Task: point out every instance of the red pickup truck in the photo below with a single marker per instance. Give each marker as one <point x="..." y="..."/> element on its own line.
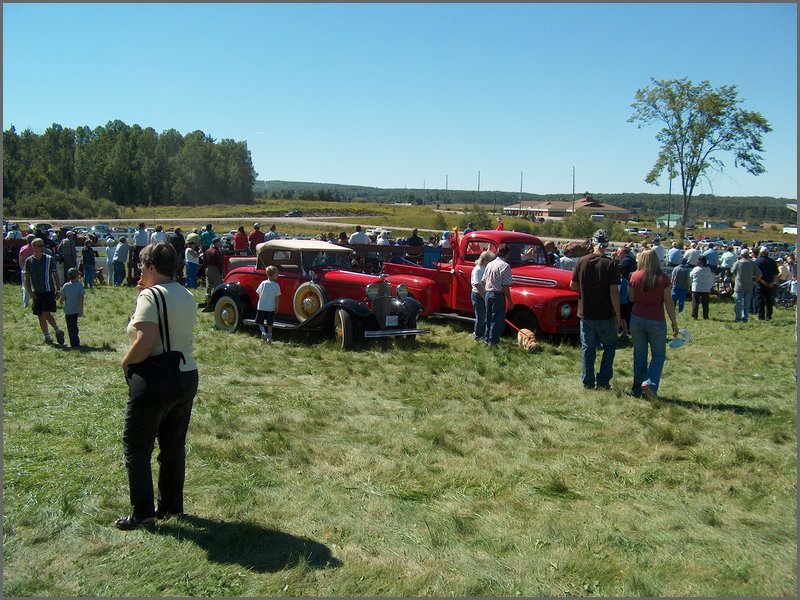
<point x="542" y="299"/>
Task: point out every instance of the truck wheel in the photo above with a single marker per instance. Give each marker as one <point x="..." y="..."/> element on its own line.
<point x="343" y="329"/>
<point x="308" y="299"/>
<point x="228" y="314"/>
<point x="526" y="320"/>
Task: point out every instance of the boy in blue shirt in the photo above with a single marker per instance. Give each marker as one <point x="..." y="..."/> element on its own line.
<point x="268" y="292"/>
<point x="72" y="299"/>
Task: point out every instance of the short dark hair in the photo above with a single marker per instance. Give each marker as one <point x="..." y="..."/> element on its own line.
<point x="503" y="250"/>
<point x="703" y="260"/>
<point x="162" y="256"/>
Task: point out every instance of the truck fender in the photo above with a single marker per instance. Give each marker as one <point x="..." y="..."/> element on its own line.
<point x="424" y="290"/>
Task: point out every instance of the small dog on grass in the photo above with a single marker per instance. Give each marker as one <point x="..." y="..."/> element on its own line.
<point x="527" y="340"/>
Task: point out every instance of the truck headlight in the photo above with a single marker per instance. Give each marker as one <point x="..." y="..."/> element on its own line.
<point x="402" y="291"/>
<point x="373" y="291"/>
<point x="566" y="311"/>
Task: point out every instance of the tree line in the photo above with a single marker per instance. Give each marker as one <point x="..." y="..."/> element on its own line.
<point x="125" y="165"/>
<point x="754" y="209"/>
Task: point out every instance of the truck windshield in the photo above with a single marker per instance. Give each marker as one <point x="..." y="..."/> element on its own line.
<point x="527" y="254"/>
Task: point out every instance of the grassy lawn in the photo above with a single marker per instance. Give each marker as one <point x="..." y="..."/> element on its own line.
<point x="442" y="469"/>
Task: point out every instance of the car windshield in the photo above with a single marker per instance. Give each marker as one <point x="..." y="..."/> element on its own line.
<point x="527" y="254"/>
<point x="318" y="260"/>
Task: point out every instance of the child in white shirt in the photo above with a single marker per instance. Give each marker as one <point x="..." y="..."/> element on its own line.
<point x="268" y="292"/>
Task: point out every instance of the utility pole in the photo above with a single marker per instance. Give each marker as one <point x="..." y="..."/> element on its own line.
<point x="479" y="182"/>
<point x="669" y="202"/>
<point x="573" y="190"/>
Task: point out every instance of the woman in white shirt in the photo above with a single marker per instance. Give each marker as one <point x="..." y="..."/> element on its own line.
<point x="702" y="279"/>
<point x="478" y="302"/>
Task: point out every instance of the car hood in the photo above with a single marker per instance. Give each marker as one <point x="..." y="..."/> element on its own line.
<point x="542" y="276"/>
<point x="345" y="277"/>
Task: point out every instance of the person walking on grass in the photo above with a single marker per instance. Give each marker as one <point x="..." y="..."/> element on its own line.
<point x="24" y="253"/>
<point x="745" y="274"/>
<point x="596" y="278"/>
<point x="680" y="283"/>
<point x="43" y="285"/>
<point x="215" y="265"/>
<point x="110" y="243"/>
<point x="88" y="258"/>
<point x="767" y="284"/>
<point x="703" y="279"/>
<point x="478" y="292"/>
<point x="72" y="300"/>
<point x="118" y="262"/>
<point x="192" y="260"/>
<point x="650" y="291"/>
<point x="496" y="282"/>
<point x="158" y="409"/>
<point x="268" y="292"/>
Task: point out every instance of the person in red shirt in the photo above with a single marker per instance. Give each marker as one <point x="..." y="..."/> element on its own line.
<point x="214" y="266"/>
<point x="650" y="292"/>
<point x="500" y="226"/>
<point x="240" y="241"/>
<point x="256" y="237"/>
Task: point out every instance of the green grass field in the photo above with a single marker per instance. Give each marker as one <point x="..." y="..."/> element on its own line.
<point x="442" y="469"/>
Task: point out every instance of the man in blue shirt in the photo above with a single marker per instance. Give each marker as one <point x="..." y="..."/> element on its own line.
<point x="675" y="255"/>
<point x="712" y="257"/>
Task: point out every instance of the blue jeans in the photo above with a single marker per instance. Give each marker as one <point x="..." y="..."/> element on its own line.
<point x="647" y="332"/>
<point x="596" y="332"/>
<point x="88" y="275"/>
<point x="480" y="315"/>
<point x="119" y="273"/>
<point x="495" y="316"/>
<point x="679" y="298"/>
<point x="741" y="305"/>
<point x="191" y="274"/>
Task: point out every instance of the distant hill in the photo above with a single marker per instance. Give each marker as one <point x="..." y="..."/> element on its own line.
<point x="751" y="208"/>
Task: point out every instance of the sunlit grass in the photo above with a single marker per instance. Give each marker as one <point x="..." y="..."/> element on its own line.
<point x="442" y="469"/>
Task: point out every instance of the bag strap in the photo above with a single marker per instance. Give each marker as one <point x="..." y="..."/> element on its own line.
<point x="161" y="306"/>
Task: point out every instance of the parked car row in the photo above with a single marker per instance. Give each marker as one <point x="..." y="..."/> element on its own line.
<point x="323" y="290"/>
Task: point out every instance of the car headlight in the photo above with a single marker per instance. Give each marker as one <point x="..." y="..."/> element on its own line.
<point x="373" y="291"/>
<point x="566" y="311"/>
<point x="402" y="291"/>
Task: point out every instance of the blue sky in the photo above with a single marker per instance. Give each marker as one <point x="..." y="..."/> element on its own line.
<point x="409" y="95"/>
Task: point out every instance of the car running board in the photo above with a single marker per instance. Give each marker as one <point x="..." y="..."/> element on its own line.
<point x="443" y="315"/>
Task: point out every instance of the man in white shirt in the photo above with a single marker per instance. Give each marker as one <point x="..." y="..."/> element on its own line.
<point x="691" y="255"/>
<point x="659" y="250"/>
<point x="359" y="237"/>
<point x="496" y="282"/>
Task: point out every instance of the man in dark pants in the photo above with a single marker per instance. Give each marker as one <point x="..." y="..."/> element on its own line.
<point x="596" y="277"/>
<point x="767" y="284"/>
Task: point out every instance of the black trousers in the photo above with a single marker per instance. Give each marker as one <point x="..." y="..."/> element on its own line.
<point x="72" y="330"/>
<point x="765" y="300"/>
<point x="157" y="411"/>
<point x="699" y="298"/>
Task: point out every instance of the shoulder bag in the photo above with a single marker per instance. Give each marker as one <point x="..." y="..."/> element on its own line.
<point x="165" y="367"/>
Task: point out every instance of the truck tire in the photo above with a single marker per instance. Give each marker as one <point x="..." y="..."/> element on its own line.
<point x="525" y="319"/>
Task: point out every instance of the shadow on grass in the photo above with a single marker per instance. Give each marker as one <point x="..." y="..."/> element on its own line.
<point x="250" y="545"/>
<point x="734" y="408"/>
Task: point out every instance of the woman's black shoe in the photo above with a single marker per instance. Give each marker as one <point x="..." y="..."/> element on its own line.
<point x="130" y="522"/>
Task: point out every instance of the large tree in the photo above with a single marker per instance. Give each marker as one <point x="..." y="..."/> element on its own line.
<point x="700" y="124"/>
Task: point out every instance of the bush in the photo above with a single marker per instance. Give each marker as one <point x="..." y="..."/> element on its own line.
<point x="52" y="203"/>
<point x="478" y="216"/>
